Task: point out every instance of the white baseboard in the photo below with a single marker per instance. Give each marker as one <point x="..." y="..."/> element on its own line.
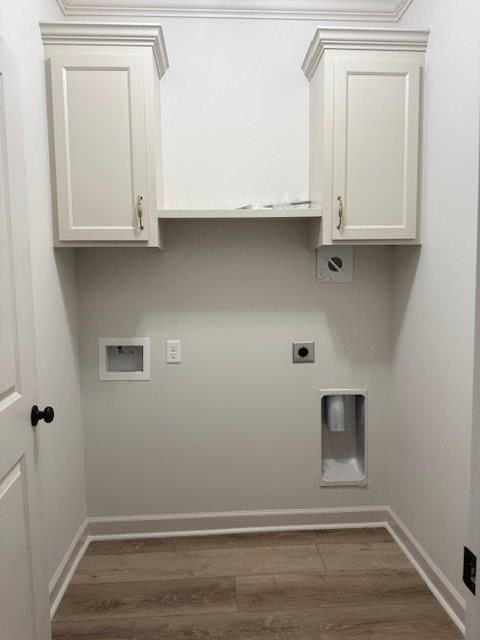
<point x="231" y="521"/>
<point x="187" y="524"/>
<point x="441" y="587"/>
<point x="66" y="568"/>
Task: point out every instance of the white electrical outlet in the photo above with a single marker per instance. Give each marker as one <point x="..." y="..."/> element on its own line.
<point x="174" y="352"/>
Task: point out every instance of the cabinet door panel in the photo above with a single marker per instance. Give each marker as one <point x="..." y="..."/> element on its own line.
<point x="375" y="150"/>
<point x="99" y="137"/>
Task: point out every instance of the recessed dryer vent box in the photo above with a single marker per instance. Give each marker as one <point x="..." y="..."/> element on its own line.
<point x="124" y="358"/>
<point x="343" y="437"/>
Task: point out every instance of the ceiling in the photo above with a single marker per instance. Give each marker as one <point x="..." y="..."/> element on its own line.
<point x="376" y="10"/>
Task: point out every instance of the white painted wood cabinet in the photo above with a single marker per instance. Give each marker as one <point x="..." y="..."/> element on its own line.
<point x="365" y="133"/>
<point x="104" y="133"/>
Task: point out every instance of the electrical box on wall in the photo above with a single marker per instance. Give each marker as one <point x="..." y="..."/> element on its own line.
<point x="334" y="264"/>
<point x="124" y="358"/>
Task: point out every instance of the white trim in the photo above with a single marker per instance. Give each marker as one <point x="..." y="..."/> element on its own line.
<point x="440" y="586"/>
<point x="220" y="532"/>
<point x="180" y="525"/>
<point x="358" y="38"/>
<point x="104" y="33"/>
<point x="227" y="521"/>
<point x="376" y="10"/>
<point x="234" y="514"/>
<point x="65" y="570"/>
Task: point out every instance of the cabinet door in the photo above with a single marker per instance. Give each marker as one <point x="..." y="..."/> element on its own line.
<point x="375" y="154"/>
<point x="98" y="107"/>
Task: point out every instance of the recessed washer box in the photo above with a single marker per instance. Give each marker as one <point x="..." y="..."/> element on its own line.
<point x="124" y="358"/>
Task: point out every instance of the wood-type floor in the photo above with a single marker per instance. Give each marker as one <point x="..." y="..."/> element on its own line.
<point x="353" y="584"/>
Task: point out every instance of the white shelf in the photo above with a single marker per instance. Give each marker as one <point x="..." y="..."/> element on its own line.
<point x="313" y="218"/>
<point x="239" y="214"/>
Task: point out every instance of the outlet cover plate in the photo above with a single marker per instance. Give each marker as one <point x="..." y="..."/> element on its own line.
<point x="303" y="351"/>
<point x="334" y="264"/>
<point x="173" y="351"/>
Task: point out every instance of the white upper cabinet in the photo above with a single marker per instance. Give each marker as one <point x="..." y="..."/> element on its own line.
<point x="100" y="156"/>
<point x="104" y="116"/>
<point x="375" y="137"/>
<point x="365" y="129"/>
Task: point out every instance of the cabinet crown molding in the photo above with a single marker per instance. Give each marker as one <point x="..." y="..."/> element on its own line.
<point x="377" y="10"/>
<point x="358" y="38"/>
<point x="96" y="33"/>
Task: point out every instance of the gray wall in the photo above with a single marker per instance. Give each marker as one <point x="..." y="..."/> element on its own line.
<point x="236" y="425"/>
<point x="435" y="297"/>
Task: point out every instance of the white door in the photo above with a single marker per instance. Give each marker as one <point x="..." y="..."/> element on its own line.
<point x="24" y="613"/>
<point x="375" y="156"/>
<point x="98" y="106"/>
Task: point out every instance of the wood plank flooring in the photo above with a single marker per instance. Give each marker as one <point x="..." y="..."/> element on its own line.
<point x="300" y="585"/>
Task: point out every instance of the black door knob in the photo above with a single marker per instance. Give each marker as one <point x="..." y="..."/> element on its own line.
<point x="47" y="414"/>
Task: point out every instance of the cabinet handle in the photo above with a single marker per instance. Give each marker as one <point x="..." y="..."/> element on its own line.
<point x="139" y="210"/>
<point x="340" y="212"/>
